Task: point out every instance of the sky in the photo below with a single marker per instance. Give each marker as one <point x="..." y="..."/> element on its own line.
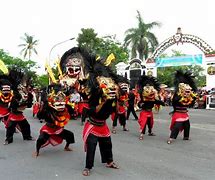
<point x="54" y="21"/>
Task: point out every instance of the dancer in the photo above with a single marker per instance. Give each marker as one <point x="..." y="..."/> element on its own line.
<point x="148" y="89"/>
<point x="6" y="93"/>
<point x="131" y="104"/>
<point x="162" y="97"/>
<point x="121" y="106"/>
<point x="56" y="116"/>
<point x="102" y="86"/>
<point x="18" y="104"/>
<point x="183" y="98"/>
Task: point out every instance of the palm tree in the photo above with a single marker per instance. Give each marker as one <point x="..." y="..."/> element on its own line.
<point x="141" y="39"/>
<point x="29" y="45"/>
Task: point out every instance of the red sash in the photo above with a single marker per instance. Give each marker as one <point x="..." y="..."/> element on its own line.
<point x="178" y="117"/>
<point x="4" y="111"/>
<point x="143" y="119"/>
<point x="53" y="132"/>
<point x="99" y="131"/>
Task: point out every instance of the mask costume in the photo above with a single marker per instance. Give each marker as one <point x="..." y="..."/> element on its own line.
<point x="6" y="93"/>
<point x="71" y="66"/>
<point x="162" y="97"/>
<point x="18" y="104"/>
<point x="121" y="105"/>
<point x="72" y="72"/>
<point x="183" y="98"/>
<point x="148" y="90"/>
<point x="102" y="84"/>
<point x="56" y="116"/>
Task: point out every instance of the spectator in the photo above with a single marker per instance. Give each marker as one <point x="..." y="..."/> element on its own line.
<point x="131" y="101"/>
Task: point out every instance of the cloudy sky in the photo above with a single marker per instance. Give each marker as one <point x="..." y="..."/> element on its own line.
<point x="53" y="21"/>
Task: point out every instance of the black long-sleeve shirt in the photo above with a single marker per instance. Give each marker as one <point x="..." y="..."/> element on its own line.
<point x="148" y="105"/>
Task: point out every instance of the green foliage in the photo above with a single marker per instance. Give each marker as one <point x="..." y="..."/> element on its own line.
<point x="42" y="81"/>
<point x="88" y="39"/>
<point x="26" y="66"/>
<point x="102" y="46"/>
<point x="140" y="39"/>
<point x="29" y="46"/>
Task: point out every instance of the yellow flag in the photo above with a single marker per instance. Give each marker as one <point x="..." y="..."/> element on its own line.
<point x="109" y="59"/>
<point x="57" y="62"/>
<point x="3" y="67"/>
<point x="51" y="74"/>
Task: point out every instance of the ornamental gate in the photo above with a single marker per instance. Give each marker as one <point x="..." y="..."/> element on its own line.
<point x="208" y="51"/>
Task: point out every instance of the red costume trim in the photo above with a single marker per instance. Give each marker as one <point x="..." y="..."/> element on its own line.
<point x="14" y="117"/>
<point x="143" y="119"/>
<point x="99" y="131"/>
<point x="4" y="111"/>
<point x="53" y="132"/>
<point x="81" y="106"/>
<point x="36" y="108"/>
<point x="121" y="110"/>
<point x="178" y="117"/>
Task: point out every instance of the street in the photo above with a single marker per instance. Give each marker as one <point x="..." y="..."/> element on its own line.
<point x="150" y="159"/>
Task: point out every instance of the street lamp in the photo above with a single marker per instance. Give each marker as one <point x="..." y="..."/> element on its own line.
<point x="57" y="45"/>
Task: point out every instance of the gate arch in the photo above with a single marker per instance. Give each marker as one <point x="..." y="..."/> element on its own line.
<point x="182" y="38"/>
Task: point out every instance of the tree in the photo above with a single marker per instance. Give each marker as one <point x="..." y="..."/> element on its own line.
<point x="102" y="46"/>
<point x="29" y="46"/>
<point x="165" y="74"/>
<point x="141" y="39"/>
<point x="88" y="39"/>
<point x="27" y="66"/>
<point x="42" y="81"/>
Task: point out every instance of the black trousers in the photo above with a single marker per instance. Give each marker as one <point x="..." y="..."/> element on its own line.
<point x="105" y="146"/>
<point x="122" y="120"/>
<point x="148" y="123"/>
<point x="180" y="125"/>
<point x="129" y="110"/>
<point x="24" y="127"/>
<point x="65" y="134"/>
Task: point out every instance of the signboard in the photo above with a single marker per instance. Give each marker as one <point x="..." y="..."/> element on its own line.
<point x="179" y="61"/>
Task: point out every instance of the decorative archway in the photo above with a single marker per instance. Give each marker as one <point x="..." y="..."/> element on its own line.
<point x="182" y="38"/>
<point x="185" y="38"/>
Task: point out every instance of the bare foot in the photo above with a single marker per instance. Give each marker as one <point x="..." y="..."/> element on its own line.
<point x="169" y="141"/>
<point x="68" y="149"/>
<point x="112" y="165"/>
<point x="114" y="131"/>
<point x="86" y="172"/>
<point x="6" y="143"/>
<point x="141" y="136"/>
<point x="35" y="154"/>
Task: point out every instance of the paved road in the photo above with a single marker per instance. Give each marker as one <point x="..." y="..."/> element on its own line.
<point x="151" y="159"/>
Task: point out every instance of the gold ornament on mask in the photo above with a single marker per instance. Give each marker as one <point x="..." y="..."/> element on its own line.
<point x="108" y="87"/>
<point x="50" y="72"/>
<point x="186" y="93"/>
<point x="57" y="62"/>
<point x="149" y="93"/>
